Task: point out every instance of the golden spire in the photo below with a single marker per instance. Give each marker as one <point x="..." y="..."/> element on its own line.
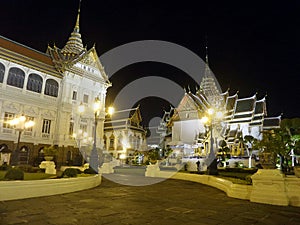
<point x="207" y="69"/>
<point x="74" y="45"/>
<point x="77" y="21"/>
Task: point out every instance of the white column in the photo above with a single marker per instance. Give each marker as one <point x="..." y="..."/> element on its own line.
<point x="5" y="75"/>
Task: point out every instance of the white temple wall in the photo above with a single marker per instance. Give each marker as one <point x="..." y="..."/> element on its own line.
<point x="186" y="131"/>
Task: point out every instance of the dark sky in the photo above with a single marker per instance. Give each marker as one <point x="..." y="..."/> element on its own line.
<point x="253" y="45"/>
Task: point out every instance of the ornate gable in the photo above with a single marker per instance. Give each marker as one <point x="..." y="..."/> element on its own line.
<point x="91" y="66"/>
<point x="136" y="116"/>
<point x="186" y="104"/>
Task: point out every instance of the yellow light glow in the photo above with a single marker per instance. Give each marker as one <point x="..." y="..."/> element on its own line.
<point x="14" y="122"/>
<point x="22" y="118"/>
<point x="204" y="119"/>
<point x="111" y="110"/>
<point x="122" y="156"/>
<point x="96" y="106"/>
<point x="29" y="124"/>
<point x="210" y="111"/>
<point x="81" y="108"/>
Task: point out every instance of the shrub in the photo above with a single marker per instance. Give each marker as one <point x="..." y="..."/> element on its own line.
<point x="89" y="171"/>
<point x="25" y="168"/>
<point x="70" y="172"/>
<point x="5" y="167"/>
<point x="14" y="174"/>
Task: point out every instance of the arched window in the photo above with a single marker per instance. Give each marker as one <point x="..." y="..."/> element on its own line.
<point x="2" y="70"/>
<point x="51" y="88"/>
<point x="34" y="83"/>
<point x="16" y="77"/>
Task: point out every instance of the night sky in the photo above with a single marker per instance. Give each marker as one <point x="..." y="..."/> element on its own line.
<point x="253" y="46"/>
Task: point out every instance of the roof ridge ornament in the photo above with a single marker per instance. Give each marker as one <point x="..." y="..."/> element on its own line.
<point x="74" y="45"/>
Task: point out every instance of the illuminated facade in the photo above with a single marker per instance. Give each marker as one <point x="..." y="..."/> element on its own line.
<point x="47" y="88"/>
<point x="240" y="117"/>
<point x="123" y="133"/>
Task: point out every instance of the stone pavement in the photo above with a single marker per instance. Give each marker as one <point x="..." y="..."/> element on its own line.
<point x="171" y="202"/>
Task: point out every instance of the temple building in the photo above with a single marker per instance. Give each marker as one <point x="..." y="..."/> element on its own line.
<point x="233" y="118"/>
<point x="123" y="134"/>
<point x="47" y="89"/>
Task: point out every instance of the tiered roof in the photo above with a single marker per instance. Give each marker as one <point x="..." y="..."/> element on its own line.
<point x="73" y="52"/>
<point x="24" y="55"/>
<point x="123" y="119"/>
<point x="208" y="85"/>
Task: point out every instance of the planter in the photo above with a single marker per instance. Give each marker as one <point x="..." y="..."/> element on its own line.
<point x="48" y="158"/>
<point x="268" y="166"/>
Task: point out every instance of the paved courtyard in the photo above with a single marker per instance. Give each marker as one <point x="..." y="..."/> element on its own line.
<point x="168" y="202"/>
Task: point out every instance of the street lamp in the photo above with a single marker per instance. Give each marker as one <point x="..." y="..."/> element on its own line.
<point x="95" y="159"/>
<point x="20" y="125"/>
<point x="210" y="120"/>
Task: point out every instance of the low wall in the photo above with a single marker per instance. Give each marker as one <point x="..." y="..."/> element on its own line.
<point x="269" y="186"/>
<point x="239" y="191"/>
<point x="11" y="190"/>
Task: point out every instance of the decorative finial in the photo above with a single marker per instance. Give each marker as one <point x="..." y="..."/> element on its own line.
<point x="78" y="16"/>
<point x="206" y="49"/>
<point x="74" y="45"/>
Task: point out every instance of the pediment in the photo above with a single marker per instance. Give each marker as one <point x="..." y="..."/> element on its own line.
<point x="90" y="59"/>
<point x="187" y="104"/>
<point x="90" y="64"/>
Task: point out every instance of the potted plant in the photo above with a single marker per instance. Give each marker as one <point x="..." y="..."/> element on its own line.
<point x="49" y="152"/>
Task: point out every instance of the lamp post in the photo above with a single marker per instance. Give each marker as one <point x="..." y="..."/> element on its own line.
<point x="210" y="119"/>
<point x="20" y="125"/>
<point x="82" y="140"/>
<point x="96" y="160"/>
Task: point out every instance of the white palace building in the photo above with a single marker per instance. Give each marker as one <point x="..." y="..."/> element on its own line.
<point x="47" y="88"/>
<point x="183" y="127"/>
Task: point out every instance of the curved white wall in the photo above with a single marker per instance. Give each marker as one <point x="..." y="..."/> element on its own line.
<point x="11" y="190"/>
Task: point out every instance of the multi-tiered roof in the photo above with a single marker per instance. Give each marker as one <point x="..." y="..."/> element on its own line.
<point x="73" y="52"/>
<point x="237" y="111"/>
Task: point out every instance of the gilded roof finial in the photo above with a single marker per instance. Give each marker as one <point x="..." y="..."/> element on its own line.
<point x="207" y="69"/>
<point x="74" y="44"/>
<point x="76" y="29"/>
<point x="206" y="50"/>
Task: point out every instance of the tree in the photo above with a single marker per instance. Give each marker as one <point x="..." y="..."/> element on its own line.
<point x="292" y="129"/>
<point x="282" y="142"/>
<point x="153" y="155"/>
<point x="223" y="150"/>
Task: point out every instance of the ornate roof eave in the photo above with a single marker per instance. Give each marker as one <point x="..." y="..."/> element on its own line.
<point x="201" y="106"/>
<point x="136" y="113"/>
<point x="245" y="99"/>
<point x="63" y="61"/>
<point x="101" y="67"/>
<point x="263" y="100"/>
